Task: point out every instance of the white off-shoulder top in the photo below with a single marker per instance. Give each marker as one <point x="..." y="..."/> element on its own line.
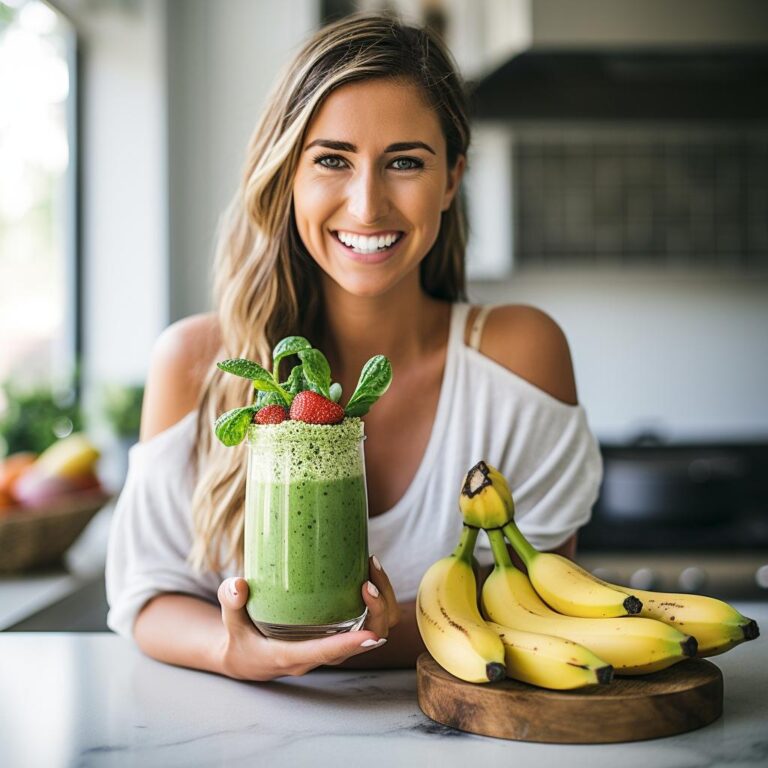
<point x="543" y="446"/>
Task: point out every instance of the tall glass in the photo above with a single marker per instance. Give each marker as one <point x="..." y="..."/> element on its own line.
<point x="306" y="528"/>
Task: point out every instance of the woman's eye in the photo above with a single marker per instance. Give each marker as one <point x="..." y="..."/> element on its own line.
<point x="330" y="161"/>
<point x="413" y="163"/>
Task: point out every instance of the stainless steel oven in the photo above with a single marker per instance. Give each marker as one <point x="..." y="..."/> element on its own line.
<point x="683" y="517"/>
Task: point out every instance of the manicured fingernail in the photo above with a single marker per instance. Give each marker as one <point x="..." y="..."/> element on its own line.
<point x="372" y="591"/>
<point x="371" y="643"/>
<point x="233" y="588"/>
<point x="376" y="563"/>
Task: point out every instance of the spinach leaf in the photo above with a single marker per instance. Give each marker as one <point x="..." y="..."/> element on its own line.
<point x="317" y="372"/>
<point x="295" y="382"/>
<point x="247" y="369"/>
<point x="290" y="345"/>
<point x="375" y="379"/>
<point x="261" y="378"/>
<point x="231" y="426"/>
<point x="335" y="391"/>
<point x="269" y="398"/>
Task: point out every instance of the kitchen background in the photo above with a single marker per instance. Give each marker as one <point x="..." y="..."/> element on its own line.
<point x="618" y="180"/>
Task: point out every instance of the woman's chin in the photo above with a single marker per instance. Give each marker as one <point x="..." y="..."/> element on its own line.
<point x="365" y="290"/>
<point x="366" y="286"/>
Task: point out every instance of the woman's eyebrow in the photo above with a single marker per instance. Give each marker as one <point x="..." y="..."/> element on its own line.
<point x="345" y="146"/>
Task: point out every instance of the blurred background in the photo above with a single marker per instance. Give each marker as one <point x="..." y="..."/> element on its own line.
<point x="618" y="179"/>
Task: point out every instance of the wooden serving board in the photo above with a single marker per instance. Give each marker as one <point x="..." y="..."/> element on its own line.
<point x="681" y="698"/>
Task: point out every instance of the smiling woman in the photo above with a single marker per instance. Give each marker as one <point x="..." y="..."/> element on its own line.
<point x="369" y="204"/>
<point x="348" y="229"/>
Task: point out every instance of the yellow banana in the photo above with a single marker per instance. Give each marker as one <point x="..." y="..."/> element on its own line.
<point x="566" y="587"/>
<point x="550" y="662"/>
<point x="632" y="645"/>
<point x="450" y="623"/>
<point x="485" y="499"/>
<point x="717" y="626"/>
<point x="71" y="456"/>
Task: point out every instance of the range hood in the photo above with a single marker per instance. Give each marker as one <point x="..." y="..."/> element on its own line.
<point x="639" y="84"/>
<point x="596" y="59"/>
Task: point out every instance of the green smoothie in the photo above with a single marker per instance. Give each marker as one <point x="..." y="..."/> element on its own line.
<point x="306" y="553"/>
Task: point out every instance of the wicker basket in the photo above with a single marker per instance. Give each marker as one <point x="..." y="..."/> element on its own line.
<point x="31" y="538"/>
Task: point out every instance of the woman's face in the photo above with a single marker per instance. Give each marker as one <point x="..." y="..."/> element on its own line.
<point x="373" y="165"/>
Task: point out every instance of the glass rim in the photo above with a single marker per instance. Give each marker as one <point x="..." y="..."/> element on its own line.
<point x="277" y="432"/>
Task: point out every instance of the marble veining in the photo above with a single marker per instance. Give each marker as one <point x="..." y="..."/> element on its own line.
<point x="93" y="700"/>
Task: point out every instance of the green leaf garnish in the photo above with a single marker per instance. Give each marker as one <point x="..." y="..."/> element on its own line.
<point x="290" y="345"/>
<point x="313" y="374"/>
<point x="317" y="372"/>
<point x="260" y="377"/>
<point x="247" y="369"/>
<point x="296" y="382"/>
<point x="375" y="379"/>
<point x="269" y="398"/>
<point x="231" y="426"/>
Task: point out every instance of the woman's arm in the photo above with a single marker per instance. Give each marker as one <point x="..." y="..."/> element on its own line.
<point x="189" y="632"/>
<point x="182" y="630"/>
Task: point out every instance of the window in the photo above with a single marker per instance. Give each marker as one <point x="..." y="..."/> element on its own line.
<point x="39" y="297"/>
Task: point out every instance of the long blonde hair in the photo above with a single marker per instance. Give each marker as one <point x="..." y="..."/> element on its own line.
<point x="265" y="282"/>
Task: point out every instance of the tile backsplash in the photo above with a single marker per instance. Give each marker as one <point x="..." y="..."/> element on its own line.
<point x="641" y="196"/>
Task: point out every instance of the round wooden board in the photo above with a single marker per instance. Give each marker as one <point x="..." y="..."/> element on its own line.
<point x="681" y="698"/>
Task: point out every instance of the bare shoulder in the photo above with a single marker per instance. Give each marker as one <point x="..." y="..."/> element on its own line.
<point x="181" y="359"/>
<point x="528" y="342"/>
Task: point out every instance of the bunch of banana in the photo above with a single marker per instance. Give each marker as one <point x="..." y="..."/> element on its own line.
<point x="646" y="643"/>
<point x="466" y="646"/>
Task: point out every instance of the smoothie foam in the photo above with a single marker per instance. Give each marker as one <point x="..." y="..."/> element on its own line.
<point x="306" y="451"/>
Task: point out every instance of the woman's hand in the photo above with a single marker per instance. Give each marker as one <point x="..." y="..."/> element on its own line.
<point x="247" y="655"/>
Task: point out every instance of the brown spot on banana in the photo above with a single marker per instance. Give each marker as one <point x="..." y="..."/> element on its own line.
<point x="451" y="622"/>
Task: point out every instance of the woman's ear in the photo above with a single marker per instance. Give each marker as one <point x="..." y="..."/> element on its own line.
<point x="454" y="180"/>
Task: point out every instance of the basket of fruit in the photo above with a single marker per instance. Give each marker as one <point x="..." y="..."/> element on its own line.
<point x="46" y="501"/>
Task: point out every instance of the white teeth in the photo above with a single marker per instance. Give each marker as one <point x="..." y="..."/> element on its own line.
<point x="363" y="244"/>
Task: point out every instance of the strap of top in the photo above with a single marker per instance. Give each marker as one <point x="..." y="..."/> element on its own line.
<point x="476" y="332"/>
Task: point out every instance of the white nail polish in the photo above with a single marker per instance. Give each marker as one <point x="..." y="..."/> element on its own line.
<point x="376" y="563"/>
<point x="372" y="591"/>
<point x="371" y="643"/>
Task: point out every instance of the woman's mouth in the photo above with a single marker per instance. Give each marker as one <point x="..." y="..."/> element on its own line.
<point x="368" y="250"/>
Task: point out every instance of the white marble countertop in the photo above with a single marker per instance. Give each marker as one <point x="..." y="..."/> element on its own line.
<point x="23" y="594"/>
<point x="94" y="700"/>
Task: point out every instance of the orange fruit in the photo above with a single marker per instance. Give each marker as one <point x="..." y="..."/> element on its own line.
<point x="11" y="469"/>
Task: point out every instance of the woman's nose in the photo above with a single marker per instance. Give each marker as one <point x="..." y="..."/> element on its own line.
<point x="368" y="201"/>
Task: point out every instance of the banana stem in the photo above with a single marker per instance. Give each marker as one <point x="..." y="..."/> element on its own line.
<point x="500" y="552"/>
<point x="466" y="545"/>
<point x="526" y="552"/>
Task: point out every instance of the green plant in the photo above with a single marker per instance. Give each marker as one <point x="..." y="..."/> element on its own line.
<point x="122" y="408"/>
<point x="34" y="418"/>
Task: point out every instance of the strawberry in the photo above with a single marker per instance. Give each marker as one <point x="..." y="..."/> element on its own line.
<point x="270" y="414"/>
<point x="312" y="408"/>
